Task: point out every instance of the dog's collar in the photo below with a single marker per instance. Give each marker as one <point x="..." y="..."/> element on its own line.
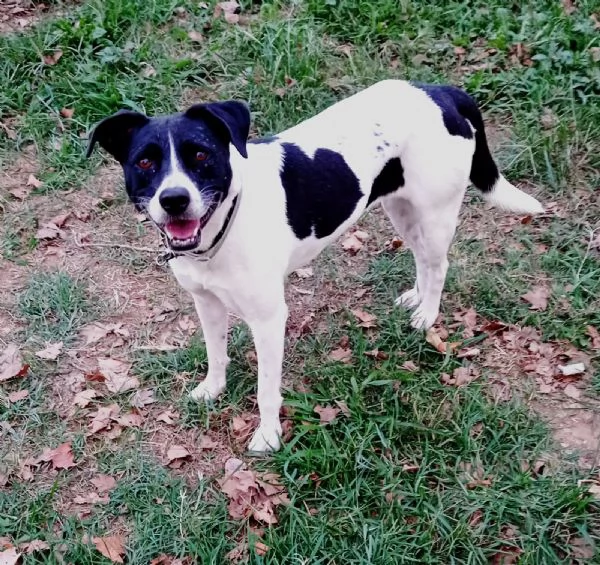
<point x="208" y="253"/>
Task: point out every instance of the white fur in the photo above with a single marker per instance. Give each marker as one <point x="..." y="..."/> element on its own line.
<point x="247" y="275"/>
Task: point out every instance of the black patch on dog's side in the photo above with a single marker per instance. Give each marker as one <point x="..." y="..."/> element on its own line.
<point x="460" y="112"/>
<point x="389" y="179"/>
<point x="321" y="193"/>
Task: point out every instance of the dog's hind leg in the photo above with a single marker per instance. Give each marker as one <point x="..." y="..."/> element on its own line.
<point x="213" y="318"/>
<point x="403" y="217"/>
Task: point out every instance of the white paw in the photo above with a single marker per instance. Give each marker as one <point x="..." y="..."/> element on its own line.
<point x="266" y="439"/>
<point x="206" y="391"/>
<point x="408" y="299"/>
<point x="423" y="318"/>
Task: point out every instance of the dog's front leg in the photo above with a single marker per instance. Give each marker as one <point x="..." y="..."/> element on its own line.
<point x="269" y="336"/>
<point x="213" y="317"/>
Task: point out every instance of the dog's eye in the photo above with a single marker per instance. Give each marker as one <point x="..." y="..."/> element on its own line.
<point x="145" y="164"/>
<point x="201" y="156"/>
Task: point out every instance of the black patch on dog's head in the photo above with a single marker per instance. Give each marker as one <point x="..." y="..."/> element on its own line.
<point x="201" y="137"/>
<point x="321" y="193"/>
<point x="389" y="179"/>
<point x="449" y="99"/>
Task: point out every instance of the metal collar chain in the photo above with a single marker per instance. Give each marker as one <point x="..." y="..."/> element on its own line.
<point x="208" y="253"/>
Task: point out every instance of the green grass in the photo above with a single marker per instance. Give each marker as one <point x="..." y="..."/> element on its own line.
<point x="353" y="499"/>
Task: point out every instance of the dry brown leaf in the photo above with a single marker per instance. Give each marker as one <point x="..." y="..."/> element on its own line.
<point x="243" y="425"/>
<point x="104" y="483"/>
<point x="410" y="366"/>
<point x="176" y="456"/>
<point x="142" y="398"/>
<point x="434" y="339"/>
<point x="9" y="556"/>
<point x="49" y="231"/>
<point x="377" y="354"/>
<point x="341" y="354"/>
<point x="117" y="375"/>
<point x="103" y="418"/>
<point x="572" y="392"/>
<point x="34" y="545"/>
<point x="230" y="11"/>
<point x="343" y="407"/>
<point x="53" y="58"/>
<point x="84" y="397"/>
<point x="67" y="112"/>
<point x="32" y="180"/>
<point x="595" y="337"/>
<point x="130" y="420"/>
<point x="326" y="413"/>
<point x="51" y="351"/>
<point x="112" y="547"/>
<point x="168" y="417"/>
<point x="568" y="6"/>
<point x="11" y="363"/>
<point x="91" y="498"/>
<point x="460" y="377"/>
<point x="537" y="297"/>
<point x="20" y="193"/>
<point x="352" y="244"/>
<point x="260" y="548"/>
<point x="61" y="457"/>
<point x="206" y="443"/>
<point x="365" y="319"/>
<point x="96" y="331"/>
<point x="18" y="395"/>
<point x="196" y="36"/>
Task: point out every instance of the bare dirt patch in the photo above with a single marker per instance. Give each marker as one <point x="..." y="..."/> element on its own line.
<point x="19" y="15"/>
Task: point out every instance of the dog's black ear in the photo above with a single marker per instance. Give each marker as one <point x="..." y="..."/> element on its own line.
<point x="231" y="117"/>
<point x="115" y="132"/>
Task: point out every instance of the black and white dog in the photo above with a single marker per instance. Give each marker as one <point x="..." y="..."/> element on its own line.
<point x="237" y="217"/>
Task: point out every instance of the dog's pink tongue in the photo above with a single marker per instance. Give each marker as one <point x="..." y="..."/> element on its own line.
<point x="182" y="229"/>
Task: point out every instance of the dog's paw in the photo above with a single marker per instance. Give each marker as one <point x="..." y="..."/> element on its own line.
<point x="408" y="299"/>
<point x="206" y="392"/>
<point x="265" y="439"/>
<point x="423" y="318"/>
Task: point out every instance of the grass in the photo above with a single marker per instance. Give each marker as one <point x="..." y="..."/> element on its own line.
<point x="417" y="471"/>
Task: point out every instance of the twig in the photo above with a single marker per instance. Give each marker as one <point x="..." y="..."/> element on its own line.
<point x="115" y="245"/>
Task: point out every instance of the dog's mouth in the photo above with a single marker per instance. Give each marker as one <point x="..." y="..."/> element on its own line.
<point x="186" y="234"/>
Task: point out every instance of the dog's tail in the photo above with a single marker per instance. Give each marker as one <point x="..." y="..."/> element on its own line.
<point x="484" y="172"/>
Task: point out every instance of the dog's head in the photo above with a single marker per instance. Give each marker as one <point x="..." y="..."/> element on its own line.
<point x="177" y="168"/>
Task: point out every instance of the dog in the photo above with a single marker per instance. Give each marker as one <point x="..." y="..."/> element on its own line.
<point x="238" y="216"/>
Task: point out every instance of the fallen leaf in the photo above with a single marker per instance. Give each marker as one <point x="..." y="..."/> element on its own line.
<point x="206" y="443"/>
<point x="230" y="11"/>
<point x="84" y="397"/>
<point x="176" y="456"/>
<point x="112" y="547"/>
<point x="196" y="36"/>
<point x="341" y="354"/>
<point x="568" y="6"/>
<point x="142" y="398"/>
<point x="537" y="297"/>
<point x="103" y="418"/>
<point x="326" y="413"/>
<point x="11" y="363"/>
<point x="434" y="339"/>
<point x="47" y="232"/>
<point x="365" y="319"/>
<point x="572" y="369"/>
<point x="104" y="483"/>
<point x="377" y="354"/>
<point x="9" y="556"/>
<point x="130" y="420"/>
<point x="168" y="417"/>
<point x="60" y="220"/>
<point x="34" y="545"/>
<point x="51" y="352"/>
<point x="67" y="112"/>
<point x="460" y="377"/>
<point x="352" y="244"/>
<point x="117" y="375"/>
<point x="343" y="407"/>
<point x="304" y="273"/>
<point x="572" y="392"/>
<point x="91" y="498"/>
<point x="410" y="366"/>
<point x="53" y="58"/>
<point x="61" y="457"/>
<point x="18" y="395"/>
<point x="594" y="335"/>
<point x="32" y="180"/>
<point x="594" y="490"/>
<point x="243" y="425"/>
<point x="20" y="193"/>
<point x="582" y="549"/>
<point x="260" y="548"/>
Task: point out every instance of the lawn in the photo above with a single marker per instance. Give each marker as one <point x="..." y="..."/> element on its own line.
<point x="467" y="446"/>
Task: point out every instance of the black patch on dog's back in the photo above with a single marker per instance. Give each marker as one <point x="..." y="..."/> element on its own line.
<point x="446" y="98"/>
<point x="389" y="179"/>
<point x="321" y="193"/>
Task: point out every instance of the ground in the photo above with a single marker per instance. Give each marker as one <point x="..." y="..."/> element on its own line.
<point x="477" y="443"/>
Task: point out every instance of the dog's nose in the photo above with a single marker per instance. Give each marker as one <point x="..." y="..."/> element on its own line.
<point x="174" y="200"/>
